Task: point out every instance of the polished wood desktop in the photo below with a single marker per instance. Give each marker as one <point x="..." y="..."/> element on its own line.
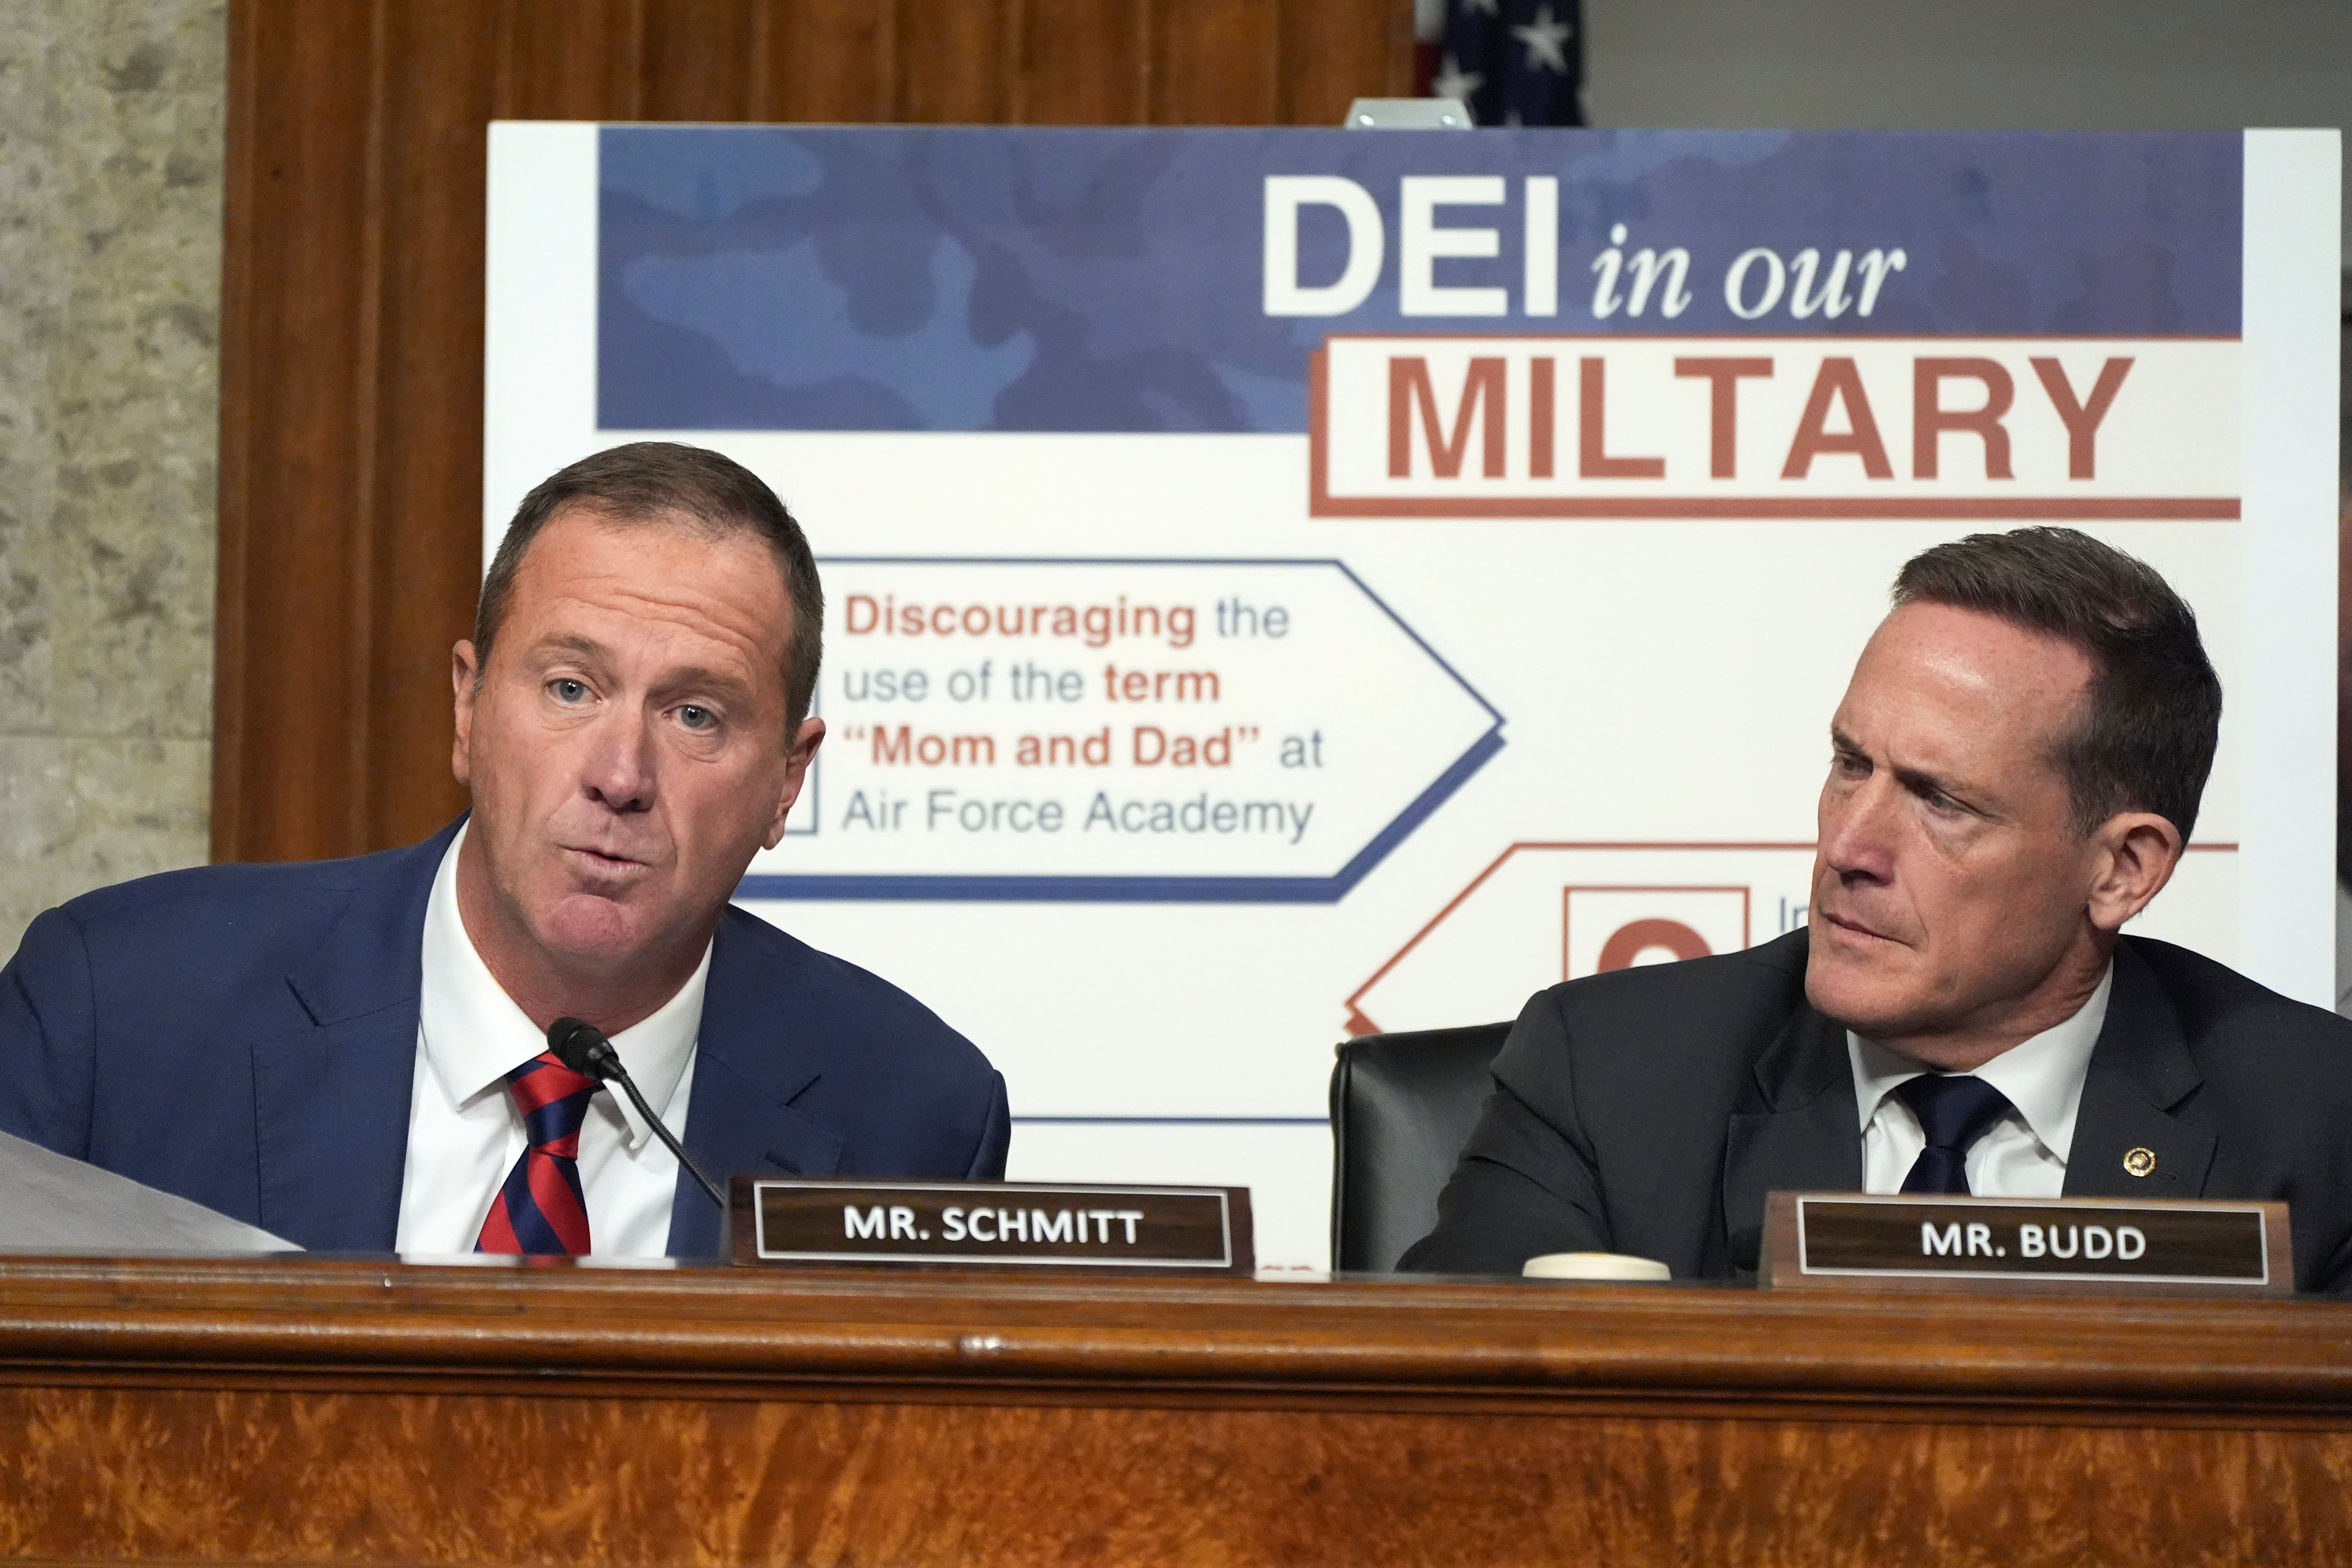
<point x="316" y="1410"/>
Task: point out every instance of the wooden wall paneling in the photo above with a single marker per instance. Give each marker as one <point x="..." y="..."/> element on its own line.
<point x="290" y="642"/>
<point x="360" y="554"/>
<point x="838" y="61"/>
<point x="423" y="496"/>
<point x="1215" y="62"/>
<point x="1079" y="62"/>
<point x="351" y="296"/>
<point x="953" y="64"/>
<point x="567" y="59"/>
<point x="1335" y="51"/>
<point x="698" y="62"/>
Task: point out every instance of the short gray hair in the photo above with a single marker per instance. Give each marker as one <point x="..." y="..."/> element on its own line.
<point x="647" y="481"/>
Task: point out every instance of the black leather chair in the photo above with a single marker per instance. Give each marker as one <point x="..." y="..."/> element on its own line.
<point x="1402" y="1108"/>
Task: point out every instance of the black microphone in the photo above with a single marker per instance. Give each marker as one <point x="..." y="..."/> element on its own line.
<point x="583" y="1048"/>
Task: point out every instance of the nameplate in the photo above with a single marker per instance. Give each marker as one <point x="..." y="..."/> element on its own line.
<point x="1832" y="1240"/>
<point x="989" y="1225"/>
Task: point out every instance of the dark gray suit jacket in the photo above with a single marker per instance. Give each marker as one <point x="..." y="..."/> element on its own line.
<point x="1650" y="1110"/>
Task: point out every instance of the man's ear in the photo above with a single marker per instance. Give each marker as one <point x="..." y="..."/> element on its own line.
<point x="2137" y="853"/>
<point x="796" y="766"/>
<point x="462" y="671"/>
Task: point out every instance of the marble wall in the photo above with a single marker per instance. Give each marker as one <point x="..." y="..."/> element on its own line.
<point x="111" y="133"/>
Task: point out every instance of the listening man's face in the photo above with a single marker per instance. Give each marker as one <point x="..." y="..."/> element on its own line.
<point x="1950" y="885"/>
<point x="626" y="747"/>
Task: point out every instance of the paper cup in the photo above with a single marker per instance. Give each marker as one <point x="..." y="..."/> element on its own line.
<point x="1593" y="1265"/>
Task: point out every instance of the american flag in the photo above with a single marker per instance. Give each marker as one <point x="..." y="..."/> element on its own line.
<point x="1514" y="62"/>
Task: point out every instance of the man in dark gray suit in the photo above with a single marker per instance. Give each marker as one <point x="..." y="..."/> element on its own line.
<point x="2014" y="770"/>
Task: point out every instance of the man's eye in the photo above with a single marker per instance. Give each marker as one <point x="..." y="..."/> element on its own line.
<point x="569" y="690"/>
<point x="695" y="718"/>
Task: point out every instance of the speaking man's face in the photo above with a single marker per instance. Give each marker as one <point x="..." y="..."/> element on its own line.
<point x="1949" y="888"/>
<point x="626" y="747"/>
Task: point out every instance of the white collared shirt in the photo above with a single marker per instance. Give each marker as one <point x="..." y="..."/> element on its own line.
<point x="2022" y="1155"/>
<point x="464" y="1133"/>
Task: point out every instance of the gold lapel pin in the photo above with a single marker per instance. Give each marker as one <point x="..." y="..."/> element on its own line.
<point x="2139" y="1162"/>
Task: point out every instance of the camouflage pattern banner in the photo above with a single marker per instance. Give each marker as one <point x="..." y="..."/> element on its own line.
<point x="1288" y="582"/>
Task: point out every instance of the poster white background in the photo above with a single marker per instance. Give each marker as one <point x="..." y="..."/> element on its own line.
<point x="1661" y="682"/>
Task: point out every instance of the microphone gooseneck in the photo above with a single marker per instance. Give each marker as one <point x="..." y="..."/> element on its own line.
<point x="583" y="1047"/>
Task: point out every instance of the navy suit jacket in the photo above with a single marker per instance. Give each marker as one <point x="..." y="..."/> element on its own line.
<point x="1651" y="1110"/>
<point x="245" y="1036"/>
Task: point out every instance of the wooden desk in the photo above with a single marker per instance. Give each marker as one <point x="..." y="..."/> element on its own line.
<point x="325" y="1411"/>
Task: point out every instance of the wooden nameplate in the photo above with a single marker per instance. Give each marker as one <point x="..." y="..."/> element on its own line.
<point x="799" y="1222"/>
<point x="1847" y="1241"/>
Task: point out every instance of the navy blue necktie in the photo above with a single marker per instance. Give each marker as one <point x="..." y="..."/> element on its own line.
<point x="1954" y="1111"/>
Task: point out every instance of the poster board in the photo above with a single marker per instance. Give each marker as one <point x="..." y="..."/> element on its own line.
<point x="1283" y="583"/>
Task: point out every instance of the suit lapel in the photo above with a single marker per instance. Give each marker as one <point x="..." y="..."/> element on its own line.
<point x="332" y="1100"/>
<point x="749" y="1065"/>
<point x="1796" y="1131"/>
<point x="2140" y="1071"/>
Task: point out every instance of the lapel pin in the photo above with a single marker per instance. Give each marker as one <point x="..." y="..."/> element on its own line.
<point x="2139" y="1162"/>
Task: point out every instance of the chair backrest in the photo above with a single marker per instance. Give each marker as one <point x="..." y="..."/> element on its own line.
<point x="1402" y="1108"/>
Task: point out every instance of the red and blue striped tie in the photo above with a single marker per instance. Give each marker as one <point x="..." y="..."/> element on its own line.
<point x="540" y="1209"/>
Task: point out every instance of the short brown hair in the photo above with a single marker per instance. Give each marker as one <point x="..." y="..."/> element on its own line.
<point x="649" y="481"/>
<point x="2154" y="709"/>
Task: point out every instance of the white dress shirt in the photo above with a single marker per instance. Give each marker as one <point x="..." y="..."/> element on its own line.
<point x="465" y="1134"/>
<point x="2023" y="1154"/>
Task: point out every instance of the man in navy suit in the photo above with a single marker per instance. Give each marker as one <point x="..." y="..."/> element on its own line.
<point x="2015" y="768"/>
<point x="347" y="1054"/>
